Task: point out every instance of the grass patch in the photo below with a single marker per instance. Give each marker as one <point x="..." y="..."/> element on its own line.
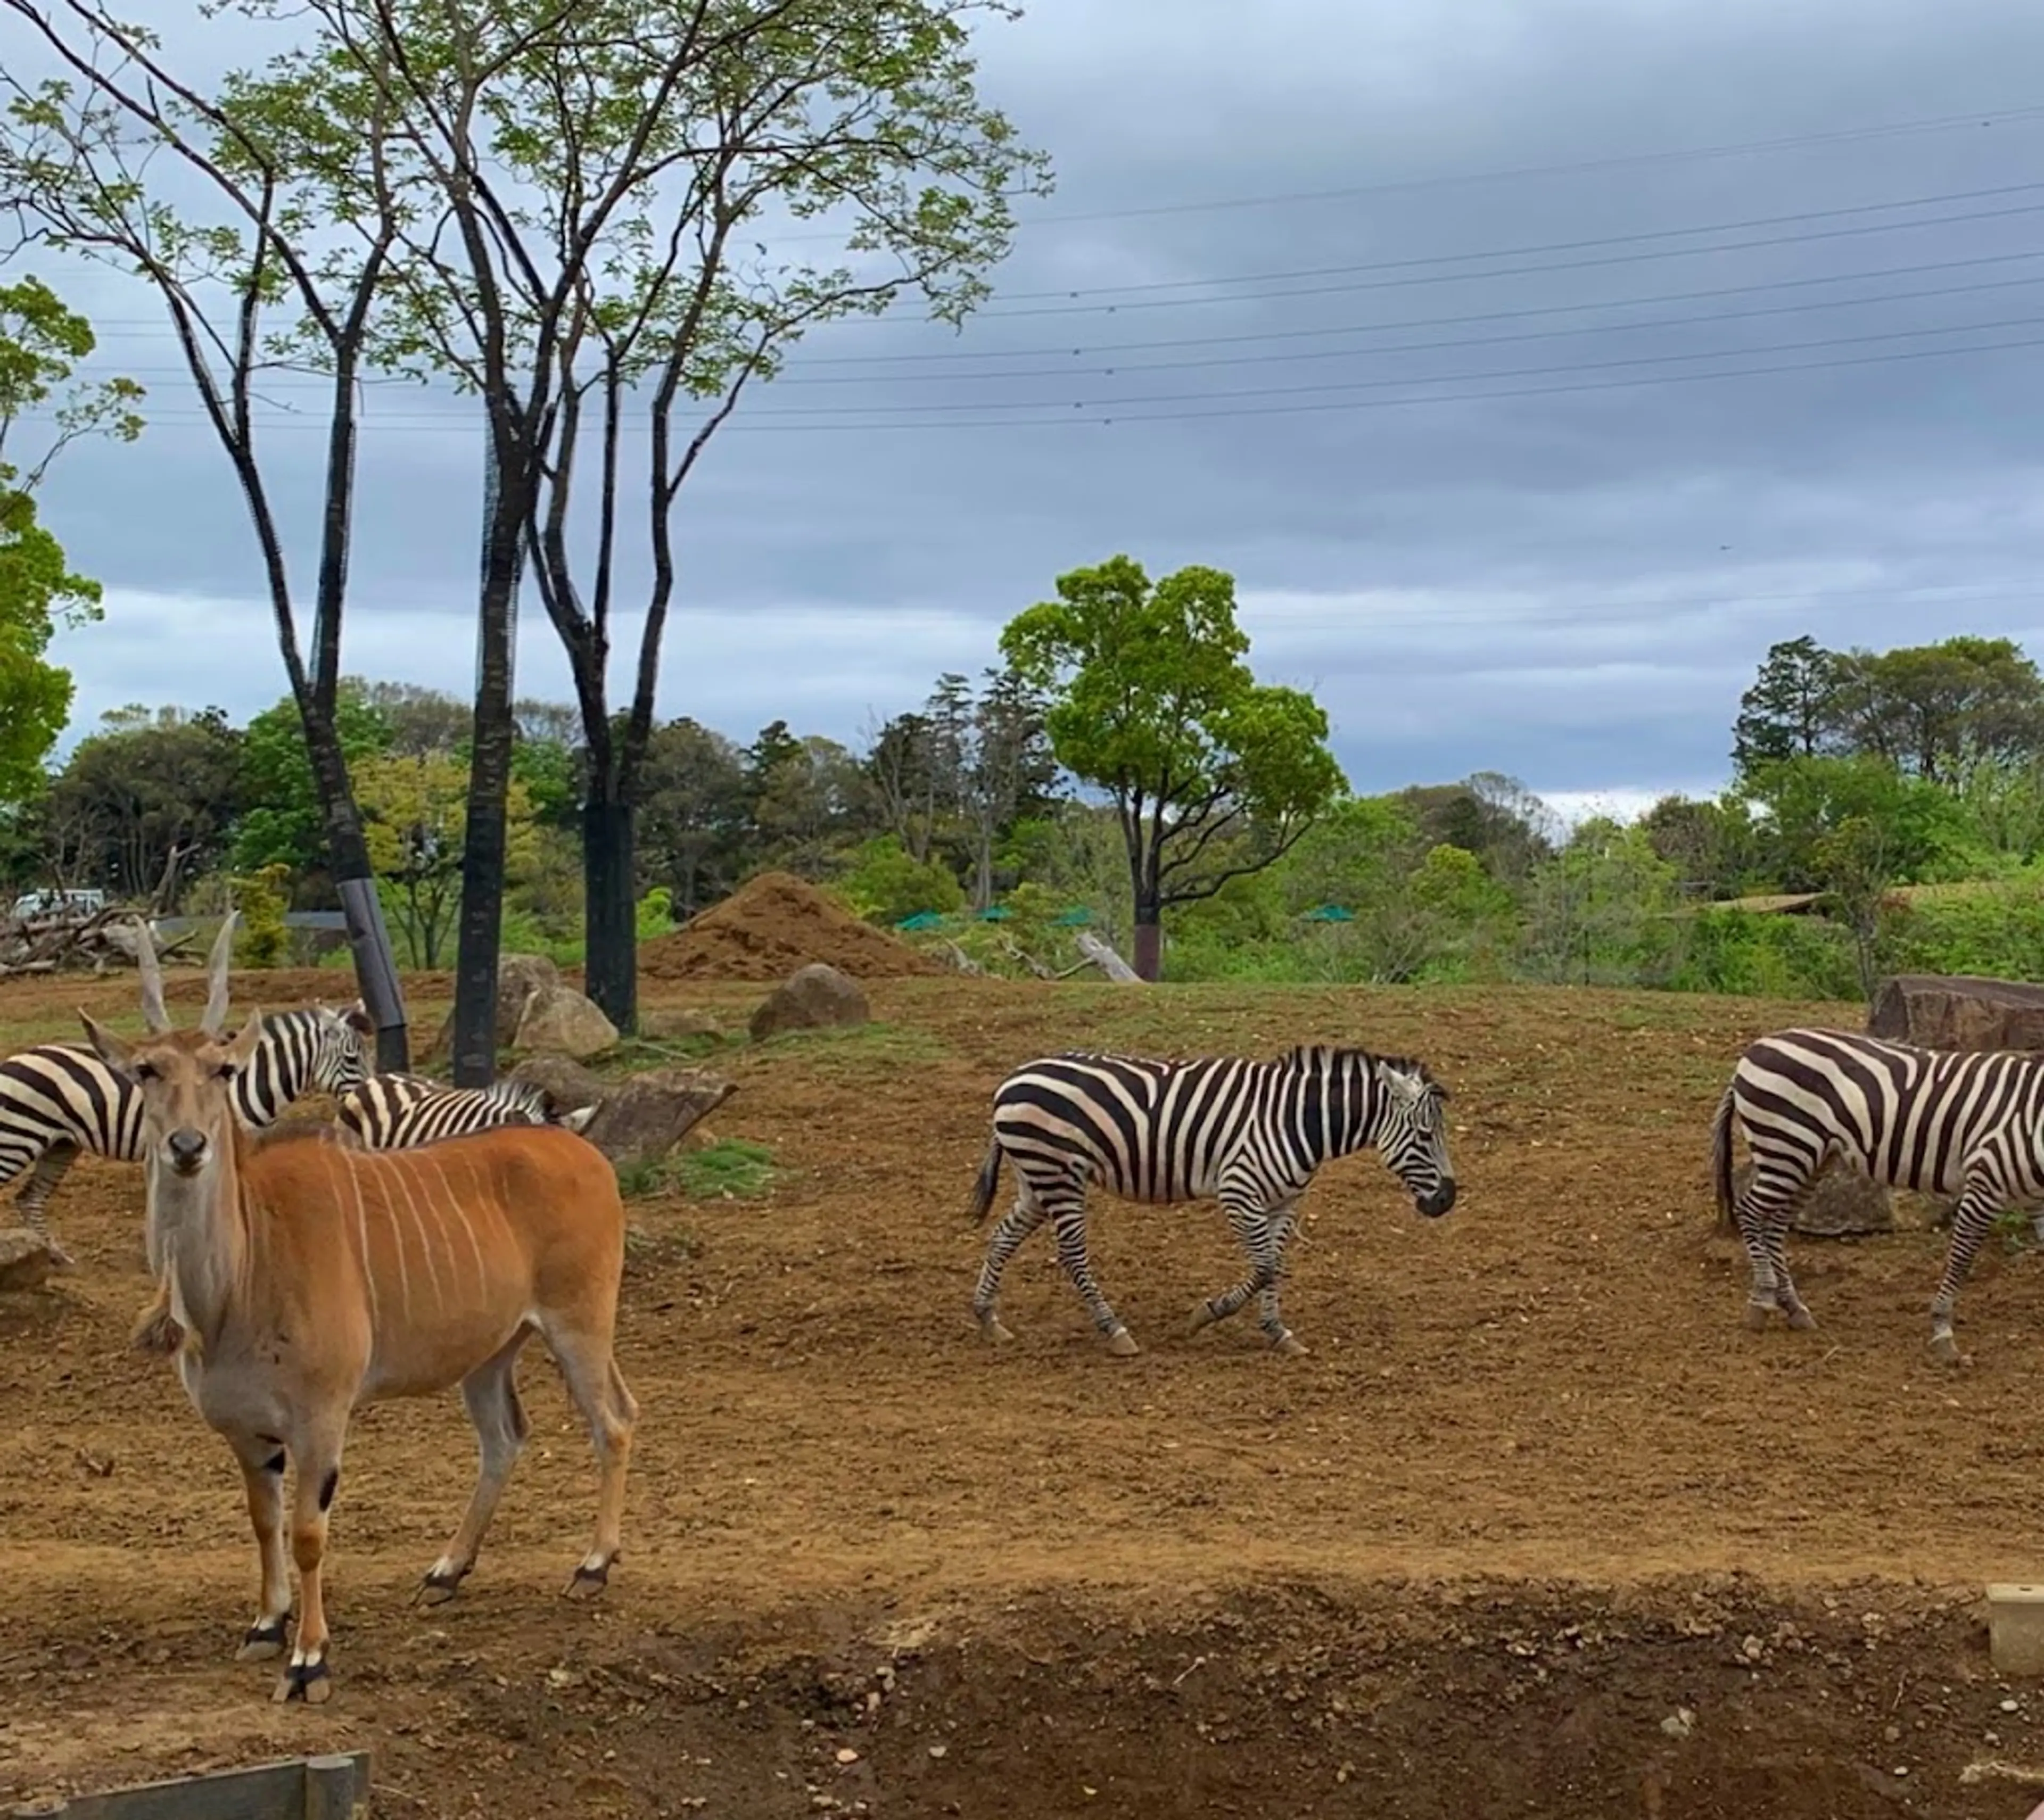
<point x="732" y="1169"/>
<point x="857" y="1046"/>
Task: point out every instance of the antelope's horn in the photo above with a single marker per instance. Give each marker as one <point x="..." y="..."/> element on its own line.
<point x="153" y="1013"/>
<point x="215" y="1020"/>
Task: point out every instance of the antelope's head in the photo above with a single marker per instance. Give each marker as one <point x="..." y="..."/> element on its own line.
<point x="184" y="1075"/>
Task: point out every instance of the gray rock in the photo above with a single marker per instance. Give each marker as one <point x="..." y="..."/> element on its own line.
<point x="814" y="997"/>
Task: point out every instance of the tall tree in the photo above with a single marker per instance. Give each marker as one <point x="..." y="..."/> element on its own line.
<point x="253" y="277"/>
<point x="696" y="815"/>
<point x="1212" y="775"/>
<point x="1944" y="711"/>
<point x="1791" y="709"/>
<point x="585" y="196"/>
<point x="41" y="344"/>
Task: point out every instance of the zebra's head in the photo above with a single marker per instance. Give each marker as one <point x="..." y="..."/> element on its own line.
<point x="340" y="1061"/>
<point x="1411" y="1132"/>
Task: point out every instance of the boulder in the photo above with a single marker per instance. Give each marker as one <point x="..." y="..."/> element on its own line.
<point x="520" y="978"/>
<point x="571" y="1085"/>
<point x="561" y="1021"/>
<point x="636" y="1120"/>
<point x="1958" y="1011"/>
<point x="670" y="1023"/>
<point x="25" y="1259"/>
<point x="1842" y="1203"/>
<point x="814" y="997"/>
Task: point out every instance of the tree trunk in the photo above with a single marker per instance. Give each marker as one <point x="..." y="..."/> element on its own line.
<point x="368" y="936"/>
<point x="1149" y="942"/>
<point x="610" y="966"/>
<point x="482" y="929"/>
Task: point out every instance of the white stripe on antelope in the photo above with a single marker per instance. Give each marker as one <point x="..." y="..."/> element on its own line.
<point x="310" y="1277"/>
<point x="1932" y="1120"/>
<point x="1251" y="1134"/>
<point x="396" y="1112"/>
<point x="57" y="1099"/>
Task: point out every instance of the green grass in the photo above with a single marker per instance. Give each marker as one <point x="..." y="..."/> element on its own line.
<point x="732" y="1169"/>
<point x="856" y="1048"/>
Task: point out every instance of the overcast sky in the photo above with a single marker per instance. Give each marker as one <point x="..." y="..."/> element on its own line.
<point x="1497" y="517"/>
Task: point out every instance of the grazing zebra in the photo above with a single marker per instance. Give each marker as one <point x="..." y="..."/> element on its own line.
<point x="1936" y="1121"/>
<point x="59" y="1098"/>
<point x="396" y="1112"/>
<point x="1248" y="1133"/>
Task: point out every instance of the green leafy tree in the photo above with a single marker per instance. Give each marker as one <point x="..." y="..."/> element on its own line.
<point x="1792" y="710"/>
<point x="285" y="823"/>
<point x="1945" y="712"/>
<point x="41" y="344"/>
<point x="1599" y="913"/>
<point x="885" y="882"/>
<point x="1212" y="775"/>
<point x="1800" y="801"/>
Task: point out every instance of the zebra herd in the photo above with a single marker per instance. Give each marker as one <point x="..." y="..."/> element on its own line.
<point x="1251" y="1134"/>
<point x="57" y="1099"/>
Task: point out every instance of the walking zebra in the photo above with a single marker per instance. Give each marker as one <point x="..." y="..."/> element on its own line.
<point x="59" y="1098"/>
<point x="1248" y="1133"/>
<point x="1932" y="1120"/>
<point x="395" y="1112"/>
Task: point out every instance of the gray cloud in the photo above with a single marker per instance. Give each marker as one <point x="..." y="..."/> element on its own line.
<point x="1543" y="572"/>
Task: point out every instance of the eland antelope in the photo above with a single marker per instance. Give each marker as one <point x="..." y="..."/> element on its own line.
<point x="310" y="1276"/>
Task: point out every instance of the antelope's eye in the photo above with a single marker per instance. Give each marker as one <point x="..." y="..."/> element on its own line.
<point x="145" y="1071"/>
<point x="226" y="1071"/>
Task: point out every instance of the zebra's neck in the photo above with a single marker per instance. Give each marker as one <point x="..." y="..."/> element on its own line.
<point x="1345" y="1107"/>
<point x="281" y="1068"/>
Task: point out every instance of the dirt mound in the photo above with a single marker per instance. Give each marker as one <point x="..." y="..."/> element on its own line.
<point x="770" y="926"/>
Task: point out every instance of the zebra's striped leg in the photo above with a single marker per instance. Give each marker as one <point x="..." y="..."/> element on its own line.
<point x="1069" y="1217"/>
<point x="1762" y="1217"/>
<point x="1263" y="1236"/>
<point x="1027" y="1213"/>
<point x="1971" y="1222"/>
<point x="1285" y="1224"/>
<point x="51" y="1168"/>
<point x="1799" y="1317"/>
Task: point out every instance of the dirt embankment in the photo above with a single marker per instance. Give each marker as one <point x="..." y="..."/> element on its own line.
<point x="770" y="926"/>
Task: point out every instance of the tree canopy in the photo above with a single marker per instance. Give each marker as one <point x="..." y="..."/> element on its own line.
<point x="1212" y="774"/>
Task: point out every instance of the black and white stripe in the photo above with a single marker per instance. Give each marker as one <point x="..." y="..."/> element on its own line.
<point x="59" y="1098"/>
<point x="1248" y="1133"/>
<point x="1936" y="1121"/>
<point x="396" y="1112"/>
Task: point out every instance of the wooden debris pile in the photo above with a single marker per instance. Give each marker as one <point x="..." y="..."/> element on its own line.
<point x="59" y="941"/>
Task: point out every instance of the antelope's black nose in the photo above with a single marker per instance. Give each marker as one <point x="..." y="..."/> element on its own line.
<point x="187" y="1150"/>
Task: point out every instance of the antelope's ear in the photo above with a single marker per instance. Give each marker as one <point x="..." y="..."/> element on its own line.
<point x="117" y="1054"/>
<point x="244" y="1045"/>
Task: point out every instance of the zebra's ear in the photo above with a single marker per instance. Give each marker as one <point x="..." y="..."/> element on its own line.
<point x="114" y="1050"/>
<point x="356" y="1017"/>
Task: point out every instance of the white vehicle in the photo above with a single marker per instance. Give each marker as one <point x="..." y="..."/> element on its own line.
<point x="80" y="903"/>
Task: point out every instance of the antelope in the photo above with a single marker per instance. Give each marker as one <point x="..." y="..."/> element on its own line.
<point x="309" y="1277"/>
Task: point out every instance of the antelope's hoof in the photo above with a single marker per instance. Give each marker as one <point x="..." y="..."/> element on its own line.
<point x="1803" y="1321"/>
<point x="264" y="1642"/>
<point x="1122" y="1344"/>
<point x="587" y="1581"/>
<point x="1758" y="1314"/>
<point x="307" y="1681"/>
<point x="1289" y="1346"/>
<point x="440" y="1585"/>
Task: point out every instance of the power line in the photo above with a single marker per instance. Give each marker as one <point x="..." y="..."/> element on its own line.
<point x="1071" y="417"/>
<point x="1700" y="318"/>
<point x="1408" y="263"/>
<point x="1428" y="380"/>
<point x="1538" y="247"/>
<point x="1944" y="123"/>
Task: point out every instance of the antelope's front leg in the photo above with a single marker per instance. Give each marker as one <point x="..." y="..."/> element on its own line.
<point x="262" y="1460"/>
<point x="307" y="1677"/>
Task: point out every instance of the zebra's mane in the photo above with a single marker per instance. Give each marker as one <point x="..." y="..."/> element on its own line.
<point x="1327" y="1056"/>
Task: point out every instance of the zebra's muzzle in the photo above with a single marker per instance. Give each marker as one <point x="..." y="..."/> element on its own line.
<point x="1433" y="1204"/>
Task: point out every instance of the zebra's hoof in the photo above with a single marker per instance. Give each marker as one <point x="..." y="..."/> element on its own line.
<point x="1203" y="1318"/>
<point x="1291" y="1347"/>
<point x="61" y="1261"/>
<point x="1757" y="1315"/>
<point x="1944" y="1349"/>
<point x="1122" y="1344"/>
<point x="1803" y="1321"/>
<point x="994" y="1334"/>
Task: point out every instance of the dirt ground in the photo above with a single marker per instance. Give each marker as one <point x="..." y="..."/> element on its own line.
<point x="1539" y="1526"/>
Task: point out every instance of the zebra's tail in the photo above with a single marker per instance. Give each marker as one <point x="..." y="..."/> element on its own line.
<point x="990" y="1179"/>
<point x="1721" y="1161"/>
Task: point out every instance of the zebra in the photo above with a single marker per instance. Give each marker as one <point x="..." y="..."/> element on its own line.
<point x="1249" y="1134"/>
<point x="395" y="1112"/>
<point x="59" y="1098"/>
<point x="1936" y="1121"/>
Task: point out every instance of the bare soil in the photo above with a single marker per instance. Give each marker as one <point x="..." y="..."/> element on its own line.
<point x="1538" y="1528"/>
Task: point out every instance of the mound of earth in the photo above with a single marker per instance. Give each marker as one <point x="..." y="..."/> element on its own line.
<point x="770" y="926"/>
